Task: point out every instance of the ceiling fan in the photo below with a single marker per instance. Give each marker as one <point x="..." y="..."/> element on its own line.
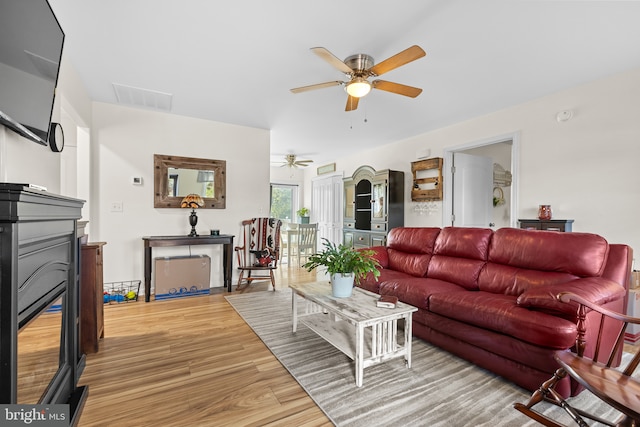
<point x="290" y="160"/>
<point x="358" y="68"/>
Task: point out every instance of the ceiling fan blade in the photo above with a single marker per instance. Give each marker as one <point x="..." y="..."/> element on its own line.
<point x="332" y="59"/>
<point x="352" y="103"/>
<point x="398" y="60"/>
<point x="303" y="162"/>
<point x="398" y="88"/>
<point x="316" y="86"/>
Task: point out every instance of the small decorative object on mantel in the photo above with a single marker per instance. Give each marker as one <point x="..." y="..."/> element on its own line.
<point x="427" y="180"/>
<point x="345" y="265"/>
<point x="192" y="201"/>
<point x="544" y="212"/>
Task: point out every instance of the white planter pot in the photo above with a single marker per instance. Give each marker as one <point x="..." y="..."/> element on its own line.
<point x="342" y="285"/>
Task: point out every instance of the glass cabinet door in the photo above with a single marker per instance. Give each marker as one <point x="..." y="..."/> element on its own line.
<point x="349" y="201"/>
<point x="379" y="201"/>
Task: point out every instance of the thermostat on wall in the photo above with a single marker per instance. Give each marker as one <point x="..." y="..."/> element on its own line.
<point x="137" y="180"/>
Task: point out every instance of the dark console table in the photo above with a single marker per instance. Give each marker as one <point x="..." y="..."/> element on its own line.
<point x="164" y="241"/>
<point x="546" y="224"/>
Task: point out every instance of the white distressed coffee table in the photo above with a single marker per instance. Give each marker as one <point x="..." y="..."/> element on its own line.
<point x="367" y="334"/>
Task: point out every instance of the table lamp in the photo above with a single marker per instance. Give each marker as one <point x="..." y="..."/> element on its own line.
<point x="192" y="201"/>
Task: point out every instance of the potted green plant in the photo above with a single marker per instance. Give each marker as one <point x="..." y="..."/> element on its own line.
<point x="345" y="265"/>
<point x="303" y="213"/>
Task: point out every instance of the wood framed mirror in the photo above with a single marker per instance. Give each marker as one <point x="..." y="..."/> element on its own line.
<point x="174" y="177"/>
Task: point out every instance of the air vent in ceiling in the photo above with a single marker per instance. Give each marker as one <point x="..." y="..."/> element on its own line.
<point x="143" y="97"/>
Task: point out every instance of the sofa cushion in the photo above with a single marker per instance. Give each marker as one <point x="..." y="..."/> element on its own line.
<point x="463" y="242"/>
<point x="416" y="291"/>
<point x="379" y="254"/>
<point x="578" y="254"/>
<point x="597" y="290"/>
<point x="414" y="240"/>
<point x="508" y="280"/>
<point x="459" y="255"/>
<point x="538" y="357"/>
<point x="413" y="264"/>
<point x="409" y="249"/>
<point x="371" y="284"/>
<point x="502" y="314"/>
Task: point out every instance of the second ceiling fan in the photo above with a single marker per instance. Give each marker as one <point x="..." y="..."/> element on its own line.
<point x="358" y="68"/>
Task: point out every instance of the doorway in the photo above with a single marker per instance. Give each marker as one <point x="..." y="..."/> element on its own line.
<point x="501" y="195"/>
<point x="327" y="202"/>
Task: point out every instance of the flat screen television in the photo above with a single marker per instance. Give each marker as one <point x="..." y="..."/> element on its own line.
<point x="31" y="42"/>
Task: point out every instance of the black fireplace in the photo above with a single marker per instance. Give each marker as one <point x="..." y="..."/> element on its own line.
<point x="38" y="271"/>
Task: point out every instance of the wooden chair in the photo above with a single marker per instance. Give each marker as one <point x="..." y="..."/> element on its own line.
<point x="286" y="233"/>
<point x="259" y="252"/>
<point x="614" y="386"/>
<point x="307" y="241"/>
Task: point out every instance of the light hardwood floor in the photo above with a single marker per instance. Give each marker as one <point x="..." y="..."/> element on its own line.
<point x="192" y="362"/>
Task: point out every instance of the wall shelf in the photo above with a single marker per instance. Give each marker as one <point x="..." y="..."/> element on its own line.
<point x="433" y="182"/>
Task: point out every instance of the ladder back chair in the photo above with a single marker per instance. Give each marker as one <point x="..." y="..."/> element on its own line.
<point x="259" y="252"/>
<point x="614" y="386"/>
<point x="307" y="241"/>
<point x="287" y="232"/>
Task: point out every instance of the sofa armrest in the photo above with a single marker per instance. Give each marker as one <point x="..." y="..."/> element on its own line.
<point x="596" y="290"/>
<point x="380" y="253"/>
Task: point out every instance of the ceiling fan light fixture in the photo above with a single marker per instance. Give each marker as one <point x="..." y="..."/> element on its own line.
<point x="358" y="87"/>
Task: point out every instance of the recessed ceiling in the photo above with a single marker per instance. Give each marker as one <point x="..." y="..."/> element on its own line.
<point x="235" y="62"/>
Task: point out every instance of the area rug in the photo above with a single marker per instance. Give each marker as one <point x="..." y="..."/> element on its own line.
<point x="438" y="390"/>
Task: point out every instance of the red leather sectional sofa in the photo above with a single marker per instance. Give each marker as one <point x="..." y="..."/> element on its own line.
<point x="490" y="296"/>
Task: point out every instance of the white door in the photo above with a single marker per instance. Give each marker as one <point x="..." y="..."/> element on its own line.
<point x="326" y="207"/>
<point x="472" y="190"/>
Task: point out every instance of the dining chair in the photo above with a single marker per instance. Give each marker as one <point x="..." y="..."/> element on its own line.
<point x="287" y="240"/>
<point x="307" y="241"/>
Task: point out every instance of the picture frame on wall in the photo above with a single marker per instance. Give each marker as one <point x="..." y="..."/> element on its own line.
<point x="326" y="168"/>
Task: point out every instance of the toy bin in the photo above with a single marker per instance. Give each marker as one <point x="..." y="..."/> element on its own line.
<point x="121" y="292"/>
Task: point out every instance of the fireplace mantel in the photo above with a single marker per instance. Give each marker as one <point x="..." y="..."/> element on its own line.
<point x="38" y="266"/>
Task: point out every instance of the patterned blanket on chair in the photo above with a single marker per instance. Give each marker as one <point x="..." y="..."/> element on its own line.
<point x="265" y="234"/>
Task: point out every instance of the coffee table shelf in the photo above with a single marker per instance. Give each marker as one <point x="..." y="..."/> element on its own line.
<point x="356" y="326"/>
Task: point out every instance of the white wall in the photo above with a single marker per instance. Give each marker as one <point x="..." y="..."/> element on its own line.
<point x="586" y="168"/>
<point x="24" y="161"/>
<point x="127" y="139"/>
<point x="121" y="143"/>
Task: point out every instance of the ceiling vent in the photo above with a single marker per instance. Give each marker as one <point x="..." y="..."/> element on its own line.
<point x="143" y="97"/>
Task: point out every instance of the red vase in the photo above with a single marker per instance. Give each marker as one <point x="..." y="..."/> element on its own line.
<point x="544" y="212"/>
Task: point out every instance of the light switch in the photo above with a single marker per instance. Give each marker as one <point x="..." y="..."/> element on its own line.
<point x="116" y="207"/>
